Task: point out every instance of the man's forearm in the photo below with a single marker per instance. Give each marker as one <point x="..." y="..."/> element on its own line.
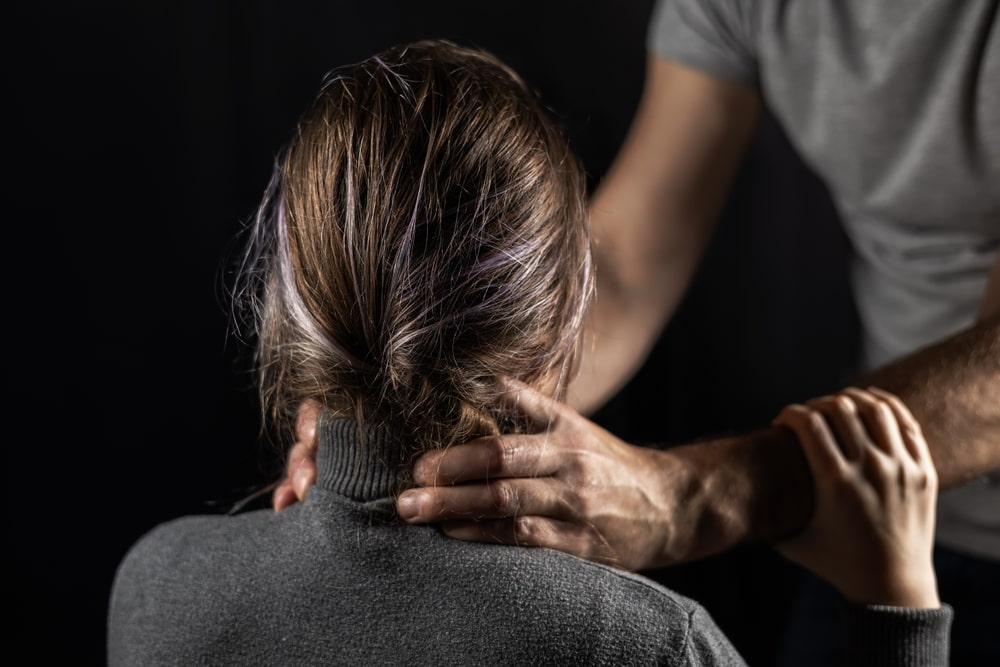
<point x="751" y="488"/>
<point x="953" y="389"/>
<point x="757" y="488"/>
<point x="654" y="213"/>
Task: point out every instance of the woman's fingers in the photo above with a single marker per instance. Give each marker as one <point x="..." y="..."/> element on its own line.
<point x="872" y="529"/>
<point x="842" y="415"/>
<point x="879" y="420"/>
<point x="910" y="431"/>
<point x="815" y="436"/>
<point x="500" y="498"/>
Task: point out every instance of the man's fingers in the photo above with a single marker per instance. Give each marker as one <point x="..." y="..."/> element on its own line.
<point x="305" y="423"/>
<point x="283" y="495"/>
<point x="535" y="531"/>
<point x="300" y="471"/>
<point x="486" y="458"/>
<point x="514" y="455"/>
<point x="498" y="499"/>
<point x="300" y="474"/>
<point x="540" y="410"/>
<point x="523" y="530"/>
<point x="300" y="466"/>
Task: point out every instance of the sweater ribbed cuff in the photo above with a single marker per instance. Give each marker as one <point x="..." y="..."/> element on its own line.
<point x="887" y="636"/>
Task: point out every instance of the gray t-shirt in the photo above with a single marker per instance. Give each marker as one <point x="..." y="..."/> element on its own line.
<point x="896" y="105"/>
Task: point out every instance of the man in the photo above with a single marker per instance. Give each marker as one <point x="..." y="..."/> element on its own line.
<point x="894" y="105"/>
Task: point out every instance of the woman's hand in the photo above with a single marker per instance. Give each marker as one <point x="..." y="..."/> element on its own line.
<point x="872" y="531"/>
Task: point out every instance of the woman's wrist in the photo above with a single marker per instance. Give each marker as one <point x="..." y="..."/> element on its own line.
<point x="910" y="587"/>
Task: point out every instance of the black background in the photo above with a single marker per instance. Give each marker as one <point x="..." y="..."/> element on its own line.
<point x="143" y="136"/>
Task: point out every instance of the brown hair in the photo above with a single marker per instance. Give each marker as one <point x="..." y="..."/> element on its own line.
<point x="425" y="233"/>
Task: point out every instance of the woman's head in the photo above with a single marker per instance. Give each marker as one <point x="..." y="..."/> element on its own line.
<point x="425" y="234"/>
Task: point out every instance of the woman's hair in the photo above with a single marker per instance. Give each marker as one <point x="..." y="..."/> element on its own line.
<point x="424" y="233"/>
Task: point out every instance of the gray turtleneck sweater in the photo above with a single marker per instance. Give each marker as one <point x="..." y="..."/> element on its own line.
<point x="340" y="580"/>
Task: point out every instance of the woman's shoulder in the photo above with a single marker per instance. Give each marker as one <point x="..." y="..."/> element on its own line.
<point x="617" y="606"/>
<point x="187" y="549"/>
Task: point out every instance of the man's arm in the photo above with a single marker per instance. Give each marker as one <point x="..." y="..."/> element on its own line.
<point x="653" y="215"/>
<point x="597" y="497"/>
<point x="953" y="390"/>
<point x="575" y="487"/>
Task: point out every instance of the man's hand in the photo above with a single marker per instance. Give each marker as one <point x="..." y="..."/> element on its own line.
<point x="872" y="532"/>
<point x="571" y="486"/>
<point x="568" y="485"/>
<point x="300" y="469"/>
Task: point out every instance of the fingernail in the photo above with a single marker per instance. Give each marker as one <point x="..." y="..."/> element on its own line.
<point x="408" y="506"/>
<point x="419" y="476"/>
<point x="278" y="499"/>
<point x="422" y="470"/>
<point x="300" y="482"/>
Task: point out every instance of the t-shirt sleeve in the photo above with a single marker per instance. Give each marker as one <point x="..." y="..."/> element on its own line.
<point x="714" y="36"/>
<point x="888" y="636"/>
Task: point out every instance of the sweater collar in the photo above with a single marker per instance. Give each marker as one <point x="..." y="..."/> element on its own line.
<point x="360" y="463"/>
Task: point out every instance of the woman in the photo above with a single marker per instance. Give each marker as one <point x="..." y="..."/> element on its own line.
<point x="423" y="251"/>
